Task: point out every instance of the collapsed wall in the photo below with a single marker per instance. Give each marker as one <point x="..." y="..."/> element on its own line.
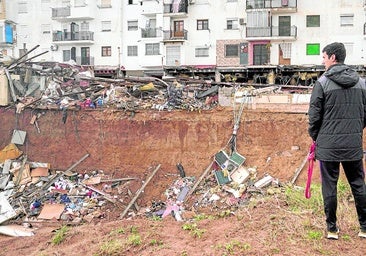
<point x="126" y="144"/>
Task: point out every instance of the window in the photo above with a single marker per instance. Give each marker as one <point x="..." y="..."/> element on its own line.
<point x="79" y="3"/>
<point x="66" y="55"/>
<point x="346" y="20"/>
<point x="132" y="50"/>
<point x="66" y="3"/>
<point x="202" y="24"/>
<point x="46" y="28"/>
<point x="231" y="50"/>
<point x="312" y="49"/>
<point x="286" y="50"/>
<point x="105" y="4"/>
<point x="152" y="49"/>
<point x="22" y="7"/>
<point x="261" y="54"/>
<point x="349" y="48"/>
<point x="313" y="21"/>
<point x="106" y="26"/>
<point x="132" y="25"/>
<point x="232" y="24"/>
<point x="201" y="52"/>
<point x="106" y="51"/>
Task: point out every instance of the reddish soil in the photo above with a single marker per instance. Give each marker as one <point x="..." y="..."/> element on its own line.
<point x="126" y="145"/>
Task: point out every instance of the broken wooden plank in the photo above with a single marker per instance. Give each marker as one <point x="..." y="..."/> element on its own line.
<point x="106" y="196"/>
<point x="140" y="191"/>
<point x="298" y="170"/>
<point x="77" y="163"/>
<point x="199" y="180"/>
<point x="134" y="204"/>
<point x="115" y="180"/>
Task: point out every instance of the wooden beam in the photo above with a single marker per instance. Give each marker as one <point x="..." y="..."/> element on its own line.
<point x="298" y="170"/>
<point x="199" y="180"/>
<point x="140" y="191"/>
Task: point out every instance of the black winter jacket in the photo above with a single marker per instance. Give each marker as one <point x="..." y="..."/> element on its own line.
<point x="337" y="113"/>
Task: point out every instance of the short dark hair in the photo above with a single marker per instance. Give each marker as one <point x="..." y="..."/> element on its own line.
<point x="337" y="49"/>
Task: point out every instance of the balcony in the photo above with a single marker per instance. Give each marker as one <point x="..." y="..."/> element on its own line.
<point x="276" y="6"/>
<point x="272" y="33"/>
<point x="171" y="35"/>
<point x="61" y="12"/>
<point x="150" y="32"/>
<point x="179" y="8"/>
<point x="83" y="37"/>
<point x="73" y="13"/>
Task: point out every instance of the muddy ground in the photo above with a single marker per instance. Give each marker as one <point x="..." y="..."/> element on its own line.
<point x="125" y="144"/>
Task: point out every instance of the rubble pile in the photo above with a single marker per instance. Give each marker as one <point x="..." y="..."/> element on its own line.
<point x="226" y="185"/>
<point x="48" y="85"/>
<point x="32" y="192"/>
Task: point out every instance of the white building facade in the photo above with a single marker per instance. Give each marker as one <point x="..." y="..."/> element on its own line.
<point x="150" y="36"/>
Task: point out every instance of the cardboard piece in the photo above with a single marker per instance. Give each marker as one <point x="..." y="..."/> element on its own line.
<point x="39" y="172"/>
<point x="51" y="211"/>
<point x="240" y="175"/>
<point x="24" y="173"/>
<point x="10" y="152"/>
<point x="92" y="180"/>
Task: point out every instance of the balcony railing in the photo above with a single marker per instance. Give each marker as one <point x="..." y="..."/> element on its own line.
<point x="175" y="35"/>
<point x="81" y="60"/>
<point x="61" y="12"/>
<point x="150" y="32"/>
<point x="273" y="31"/>
<point x="73" y="36"/>
<point x="176" y="7"/>
<point x="266" y="4"/>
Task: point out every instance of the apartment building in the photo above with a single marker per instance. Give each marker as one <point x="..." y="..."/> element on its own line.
<point x="182" y="36"/>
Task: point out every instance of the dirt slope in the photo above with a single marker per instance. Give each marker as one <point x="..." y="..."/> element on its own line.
<point x="126" y="145"/>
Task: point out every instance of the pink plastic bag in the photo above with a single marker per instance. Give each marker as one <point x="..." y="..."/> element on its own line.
<point x="311" y="160"/>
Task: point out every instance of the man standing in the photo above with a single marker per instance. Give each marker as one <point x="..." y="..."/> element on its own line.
<point x="337" y="116"/>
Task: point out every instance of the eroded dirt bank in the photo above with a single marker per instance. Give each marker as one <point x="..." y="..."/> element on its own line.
<point x="126" y="145"/>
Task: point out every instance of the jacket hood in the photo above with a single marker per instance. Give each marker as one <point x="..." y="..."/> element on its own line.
<point x="343" y="75"/>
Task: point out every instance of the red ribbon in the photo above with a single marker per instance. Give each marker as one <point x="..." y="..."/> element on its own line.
<point x="311" y="160"/>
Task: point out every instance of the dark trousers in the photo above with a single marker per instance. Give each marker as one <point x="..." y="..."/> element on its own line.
<point x="356" y="178"/>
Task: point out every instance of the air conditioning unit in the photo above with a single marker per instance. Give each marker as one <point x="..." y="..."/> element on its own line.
<point x="54" y="47"/>
<point x="242" y="21"/>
